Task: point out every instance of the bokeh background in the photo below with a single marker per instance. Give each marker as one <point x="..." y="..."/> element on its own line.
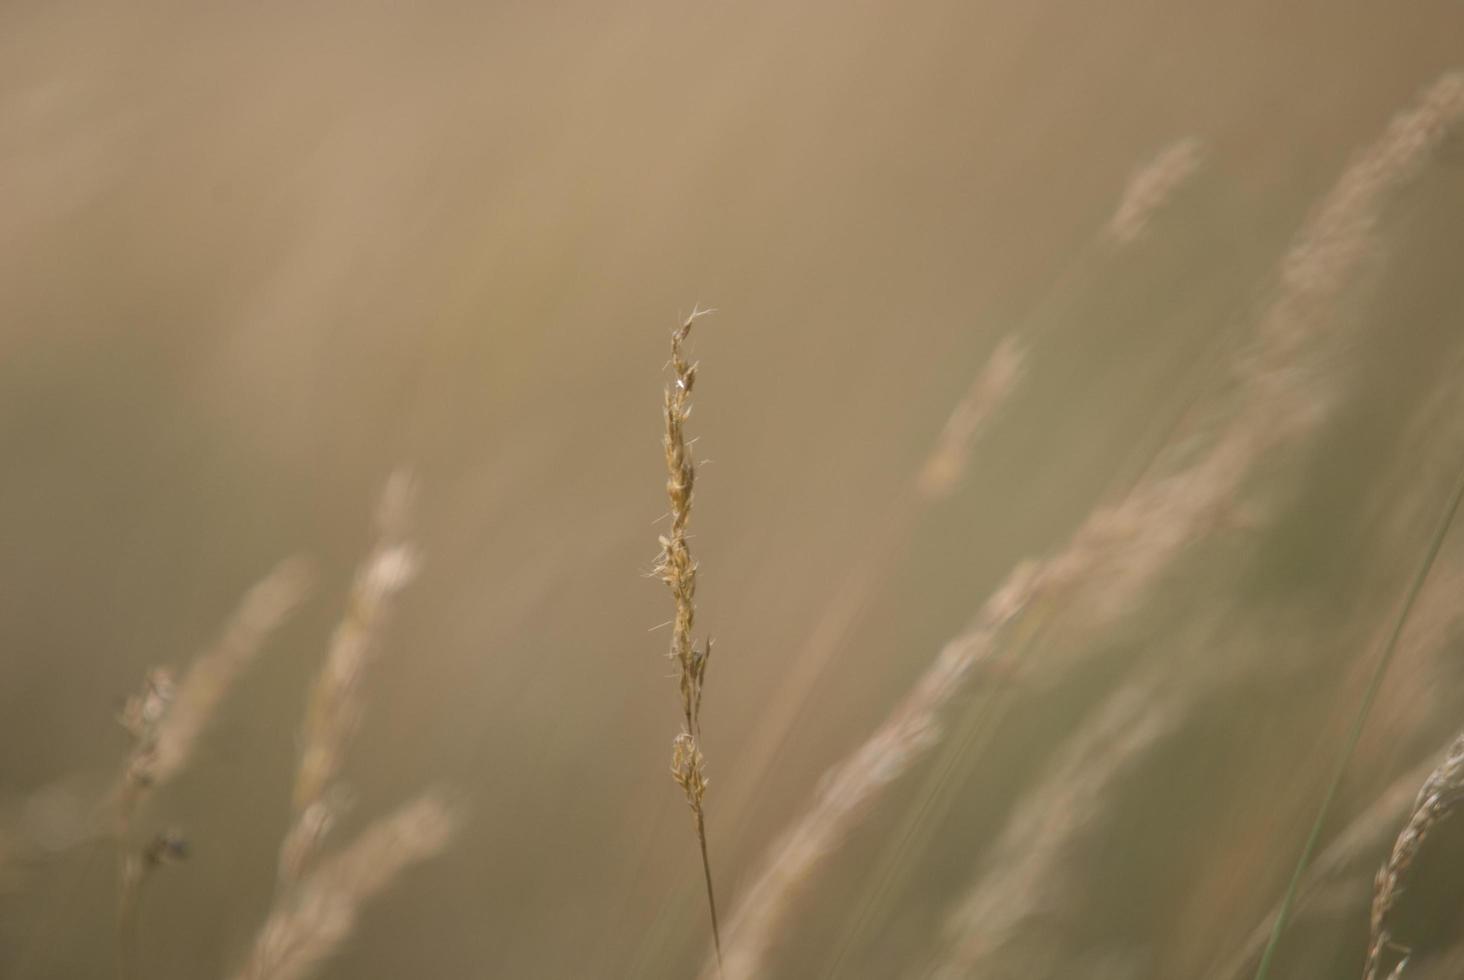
<point x="254" y="257"/>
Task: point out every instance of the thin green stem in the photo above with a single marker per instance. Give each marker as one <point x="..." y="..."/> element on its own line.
<point x="1355" y="734"/>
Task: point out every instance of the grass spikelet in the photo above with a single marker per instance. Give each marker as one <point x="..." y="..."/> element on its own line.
<point x="677" y="569"/>
<point x="947" y="462"/>
<point x="1341" y="231"/>
<point x="166" y="719"/>
<point x="1151" y="187"/>
<point x="335" y="703"/>
<point x="1440" y="796"/>
<point x="315" y="917"/>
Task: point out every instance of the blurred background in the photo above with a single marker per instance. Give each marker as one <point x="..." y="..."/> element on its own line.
<point x="255" y="257"/>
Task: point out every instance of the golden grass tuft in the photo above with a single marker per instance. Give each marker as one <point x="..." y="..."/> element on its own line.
<point x="677" y="569"/>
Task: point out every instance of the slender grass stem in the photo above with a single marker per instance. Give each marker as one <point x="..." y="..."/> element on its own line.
<point x="701" y="836"/>
<point x="1355" y="733"/>
<point x="677" y="569"/>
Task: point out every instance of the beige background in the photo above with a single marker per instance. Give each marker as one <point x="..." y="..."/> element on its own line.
<point x="253" y="256"/>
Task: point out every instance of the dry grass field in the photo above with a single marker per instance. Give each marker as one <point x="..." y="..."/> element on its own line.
<point x="1042" y="562"/>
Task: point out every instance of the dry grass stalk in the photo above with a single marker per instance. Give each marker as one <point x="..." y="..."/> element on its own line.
<point x="947" y="462"/>
<point x="166" y="719"/>
<point x="675" y="567"/>
<point x="1019" y="882"/>
<point x="1440" y="796"/>
<point x="1365" y="832"/>
<point x="167" y="847"/>
<point x="1336" y="871"/>
<point x="1121" y="549"/>
<point x="313" y="919"/>
<point x="842" y="797"/>
<point x="335" y="704"/>
<point x="1359" y="721"/>
<point x="1151" y="187"/>
<point x="319" y="898"/>
<point x="939" y="475"/>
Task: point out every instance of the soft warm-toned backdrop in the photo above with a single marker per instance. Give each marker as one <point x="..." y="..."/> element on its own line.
<point x="255" y="256"/>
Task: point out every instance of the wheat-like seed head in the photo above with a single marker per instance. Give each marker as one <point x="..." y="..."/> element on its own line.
<point x="1441" y="794"/>
<point x="677" y="569"/>
<point x="335" y="704"/>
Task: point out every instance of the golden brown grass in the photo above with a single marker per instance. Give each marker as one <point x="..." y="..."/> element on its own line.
<point x="948" y="461"/>
<point x="1150" y="189"/>
<point x="1122" y="549"/>
<point x="316" y="915"/>
<point x="677" y="569"/>
<point x="166" y="721"/>
<point x="1438" y="799"/>
<point x="939" y="475"/>
<point x="1025" y="863"/>
<point x="1359" y="837"/>
<point x="1405" y="707"/>
<point x="335" y="704"/>
<point x="1107" y="569"/>
<point x="318" y="898"/>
